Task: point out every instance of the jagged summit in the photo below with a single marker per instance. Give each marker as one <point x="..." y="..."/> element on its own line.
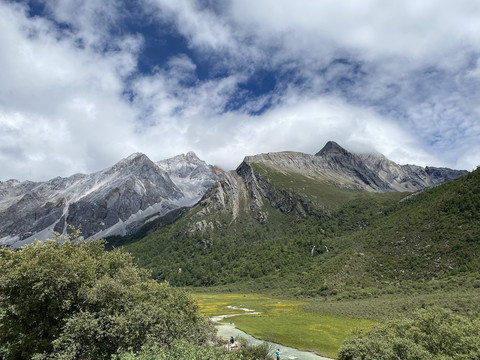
<point x="134" y="160"/>
<point x="192" y="175"/>
<point x="134" y="156"/>
<point x="191" y="156"/>
<point x="371" y="172"/>
<point x="181" y="162"/>
<point x="332" y="147"/>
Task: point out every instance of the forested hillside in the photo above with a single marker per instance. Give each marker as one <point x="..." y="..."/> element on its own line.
<point x="361" y="240"/>
<point x="430" y="236"/>
<point x="284" y="246"/>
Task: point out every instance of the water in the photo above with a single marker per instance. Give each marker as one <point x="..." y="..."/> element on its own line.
<point x="224" y="331"/>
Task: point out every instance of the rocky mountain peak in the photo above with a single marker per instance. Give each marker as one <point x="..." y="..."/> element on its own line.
<point x="192" y="157"/>
<point x="132" y="161"/>
<point x="184" y="165"/>
<point x="371" y="172"/>
<point x="114" y="201"/>
<point x="135" y="157"/>
<point x="333" y="148"/>
<point x="192" y="175"/>
<point x="440" y="175"/>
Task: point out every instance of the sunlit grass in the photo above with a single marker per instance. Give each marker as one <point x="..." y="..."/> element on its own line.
<point x="283" y="321"/>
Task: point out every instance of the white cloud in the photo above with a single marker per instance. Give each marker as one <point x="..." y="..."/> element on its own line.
<point x="61" y="104"/>
<point x="469" y="159"/>
<point x="231" y="46"/>
<point x="300" y="124"/>
<point x="62" y="108"/>
<point x="407" y="29"/>
<point x="200" y="26"/>
<point x="91" y="21"/>
<point x="307" y="124"/>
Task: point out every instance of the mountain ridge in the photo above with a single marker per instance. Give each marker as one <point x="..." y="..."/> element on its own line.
<point x="295" y="184"/>
<point x="263" y="224"/>
<point x="119" y="200"/>
<point x="113" y="201"/>
<point x="369" y="171"/>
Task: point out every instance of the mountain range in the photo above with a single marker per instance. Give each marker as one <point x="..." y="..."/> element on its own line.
<point x="306" y="218"/>
<point x="136" y="191"/>
<point x="115" y="201"/>
<point x="298" y="182"/>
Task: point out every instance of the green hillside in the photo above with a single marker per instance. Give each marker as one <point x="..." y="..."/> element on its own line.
<point x="316" y="189"/>
<point x="349" y="244"/>
<point x="247" y="249"/>
<point x="434" y="235"/>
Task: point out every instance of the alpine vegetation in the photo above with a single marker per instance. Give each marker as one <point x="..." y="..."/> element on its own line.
<point x="74" y="300"/>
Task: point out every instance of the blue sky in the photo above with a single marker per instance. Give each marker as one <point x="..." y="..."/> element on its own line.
<point x="84" y="84"/>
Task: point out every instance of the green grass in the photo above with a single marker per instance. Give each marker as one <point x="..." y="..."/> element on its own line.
<point x="288" y="322"/>
<point x="380" y="304"/>
<point x="321" y="324"/>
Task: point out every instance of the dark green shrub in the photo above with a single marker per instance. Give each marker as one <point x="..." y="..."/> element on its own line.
<point x="188" y="351"/>
<point x="177" y="350"/>
<point x="429" y="334"/>
<point x="74" y="300"/>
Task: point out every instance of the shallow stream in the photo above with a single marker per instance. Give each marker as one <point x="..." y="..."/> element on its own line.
<point x="225" y="330"/>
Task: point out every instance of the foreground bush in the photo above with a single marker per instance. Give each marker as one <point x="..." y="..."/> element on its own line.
<point x="177" y="350"/>
<point x="430" y="334"/>
<point x="74" y="300"/>
<point x="187" y="351"/>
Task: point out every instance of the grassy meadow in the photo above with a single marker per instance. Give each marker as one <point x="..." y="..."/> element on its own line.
<point x="289" y="322"/>
<point x="321" y="325"/>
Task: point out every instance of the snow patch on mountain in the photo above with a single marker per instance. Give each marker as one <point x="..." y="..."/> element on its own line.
<point x="192" y="175"/>
<point x="114" y="201"/>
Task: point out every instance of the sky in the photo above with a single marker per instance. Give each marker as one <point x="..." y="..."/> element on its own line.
<point x="84" y="84"/>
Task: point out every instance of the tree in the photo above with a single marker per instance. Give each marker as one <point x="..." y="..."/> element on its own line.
<point x="178" y="350"/>
<point x="187" y="351"/>
<point x="72" y="299"/>
<point x="429" y="334"/>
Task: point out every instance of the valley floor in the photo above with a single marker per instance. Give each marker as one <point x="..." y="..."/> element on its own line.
<point x="283" y="321"/>
<point x="321" y="324"/>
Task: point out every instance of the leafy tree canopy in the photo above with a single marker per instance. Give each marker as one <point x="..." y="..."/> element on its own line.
<point x="429" y="334"/>
<point x="70" y="299"/>
<point x="187" y="351"/>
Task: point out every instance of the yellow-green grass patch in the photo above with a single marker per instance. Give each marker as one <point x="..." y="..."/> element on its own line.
<point x="284" y="321"/>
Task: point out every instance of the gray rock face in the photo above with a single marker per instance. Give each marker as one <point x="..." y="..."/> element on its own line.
<point x="114" y="201"/>
<point x="192" y="175"/>
<point x="371" y="172"/>
<point x="441" y="175"/>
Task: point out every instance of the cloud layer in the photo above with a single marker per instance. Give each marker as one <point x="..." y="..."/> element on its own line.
<point x="236" y="78"/>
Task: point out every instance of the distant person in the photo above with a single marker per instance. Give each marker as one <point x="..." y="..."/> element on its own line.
<point x="278" y="354"/>
<point x="232" y="340"/>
